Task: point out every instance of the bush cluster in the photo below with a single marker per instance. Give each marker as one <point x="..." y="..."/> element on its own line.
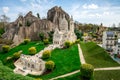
<point x="87" y="71"/>
<point x="49" y="65"/>
<point x="46" y="54"/>
<point x="32" y="50"/>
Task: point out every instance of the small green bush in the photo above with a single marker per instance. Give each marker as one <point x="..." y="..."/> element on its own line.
<point x="86" y="71"/>
<point x="77" y="41"/>
<point x="32" y="50"/>
<point x="16" y="55"/>
<point x="67" y="44"/>
<point x="49" y="65"/>
<point x="46" y="41"/>
<point x="26" y="41"/>
<point x="46" y="54"/>
<point x="6" y="48"/>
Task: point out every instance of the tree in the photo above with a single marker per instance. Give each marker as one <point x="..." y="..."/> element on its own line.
<point x="41" y="35"/>
<point x="86" y="71"/>
<point x="6" y="48"/>
<point x="49" y="65"/>
<point x="38" y="15"/>
<point x="46" y="54"/>
<point x="32" y="50"/>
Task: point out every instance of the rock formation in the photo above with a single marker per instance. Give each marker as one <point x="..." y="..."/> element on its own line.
<point x="29" y="26"/>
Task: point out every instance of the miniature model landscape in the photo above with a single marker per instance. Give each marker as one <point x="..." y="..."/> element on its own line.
<point x="57" y="48"/>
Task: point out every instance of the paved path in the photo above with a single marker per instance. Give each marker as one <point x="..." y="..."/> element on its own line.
<point x="65" y="75"/>
<point x="108" y="68"/>
<point x="82" y="60"/>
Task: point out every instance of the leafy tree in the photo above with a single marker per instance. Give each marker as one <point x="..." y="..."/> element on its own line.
<point x="86" y="71"/>
<point x="16" y="55"/>
<point x="38" y="15"/>
<point x="46" y="54"/>
<point x="49" y="65"/>
<point x="6" y="48"/>
<point x="32" y="50"/>
<point x="42" y="36"/>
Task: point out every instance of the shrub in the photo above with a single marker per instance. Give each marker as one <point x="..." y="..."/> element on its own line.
<point x="86" y="71"/>
<point x="46" y="41"/>
<point x="32" y="50"/>
<point x="6" y="48"/>
<point x="26" y="41"/>
<point x="49" y="65"/>
<point x="9" y="58"/>
<point x="46" y="54"/>
<point x="16" y="55"/>
<point x="41" y="35"/>
<point x="67" y="44"/>
<point x="77" y="41"/>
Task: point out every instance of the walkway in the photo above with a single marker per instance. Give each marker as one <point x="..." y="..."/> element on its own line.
<point x="82" y="60"/>
<point x="108" y="68"/>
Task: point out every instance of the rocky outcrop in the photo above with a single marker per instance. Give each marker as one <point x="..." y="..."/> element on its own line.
<point x="29" y="26"/>
<point x="55" y="14"/>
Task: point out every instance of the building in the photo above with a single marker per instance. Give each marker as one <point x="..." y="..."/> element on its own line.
<point x="27" y="64"/>
<point x="109" y="40"/>
<point x="117" y="48"/>
<point x="64" y="33"/>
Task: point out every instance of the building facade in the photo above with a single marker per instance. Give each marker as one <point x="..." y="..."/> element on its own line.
<point x="64" y="33"/>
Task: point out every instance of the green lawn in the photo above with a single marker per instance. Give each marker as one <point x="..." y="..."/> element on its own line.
<point x="96" y="55"/>
<point x="107" y="75"/>
<point x="22" y="47"/>
<point x="72" y="77"/>
<point x="66" y="60"/>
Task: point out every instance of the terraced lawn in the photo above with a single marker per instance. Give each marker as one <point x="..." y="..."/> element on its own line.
<point x="97" y="56"/>
<point x="39" y="46"/>
<point x="66" y="60"/>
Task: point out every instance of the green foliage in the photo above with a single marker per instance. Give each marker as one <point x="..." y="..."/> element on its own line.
<point x="79" y="34"/>
<point x="77" y="41"/>
<point x="46" y="54"/>
<point x="86" y="71"/>
<point x="26" y="41"/>
<point x="42" y="36"/>
<point x="32" y="50"/>
<point x="50" y="36"/>
<point x="46" y="41"/>
<point x="6" y="48"/>
<point x="38" y="15"/>
<point x="49" y="65"/>
<point x="2" y="31"/>
<point x="67" y="44"/>
<point x="16" y="55"/>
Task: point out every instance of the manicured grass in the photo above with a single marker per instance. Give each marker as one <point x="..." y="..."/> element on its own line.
<point x="66" y="60"/>
<point x="8" y="74"/>
<point x="72" y="77"/>
<point x="96" y="55"/>
<point x="107" y="75"/>
<point x="22" y="47"/>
